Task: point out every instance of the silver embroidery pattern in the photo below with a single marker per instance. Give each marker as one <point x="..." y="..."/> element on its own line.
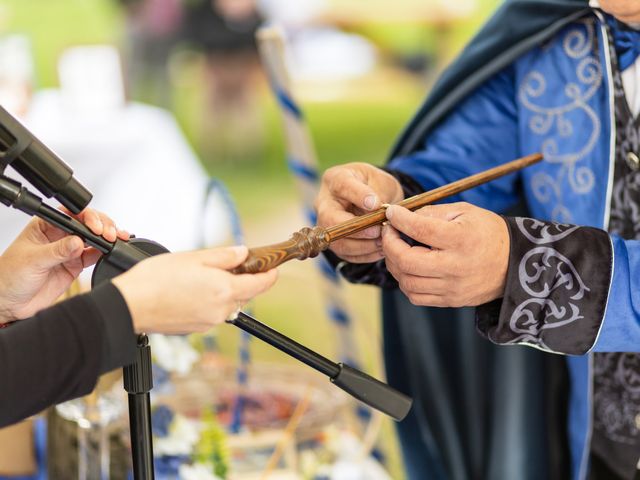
<point x="539" y="312"/>
<point x="541" y="232"/>
<point x="555" y="125"/>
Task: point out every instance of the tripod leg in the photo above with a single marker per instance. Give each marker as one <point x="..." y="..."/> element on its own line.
<point x="138" y="382"/>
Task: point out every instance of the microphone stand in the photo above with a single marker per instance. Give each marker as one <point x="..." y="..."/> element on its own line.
<point x="119" y="257"/>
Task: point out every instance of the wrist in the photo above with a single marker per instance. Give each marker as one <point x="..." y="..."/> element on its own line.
<point x="504" y="254"/>
<point x="132" y="298"/>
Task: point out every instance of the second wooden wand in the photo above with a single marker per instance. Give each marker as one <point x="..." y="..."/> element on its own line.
<point x="309" y="242"/>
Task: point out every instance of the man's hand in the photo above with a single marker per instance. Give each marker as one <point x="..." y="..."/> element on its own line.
<point x="189" y="291"/>
<point x="466" y="264"/>
<point x="43" y="261"/>
<point x="355" y="189"/>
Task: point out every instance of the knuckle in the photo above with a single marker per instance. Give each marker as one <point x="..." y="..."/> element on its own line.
<point x="423" y="232"/>
<point x="329" y="174"/>
<point x="456" y="289"/>
<point x="408" y="284"/>
<point x="413" y="299"/>
<point x="404" y="264"/>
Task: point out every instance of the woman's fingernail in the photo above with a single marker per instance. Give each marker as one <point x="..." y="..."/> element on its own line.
<point x="370" y="202"/>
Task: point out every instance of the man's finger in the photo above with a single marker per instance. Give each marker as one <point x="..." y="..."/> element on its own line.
<point x="419" y="261"/>
<point x="423" y="285"/>
<point x="427" y="300"/>
<point x="334" y="213"/>
<point x="355" y="247"/>
<point x="347" y="186"/>
<point x="446" y="211"/>
<point x="432" y="231"/>
<point x="370" y="258"/>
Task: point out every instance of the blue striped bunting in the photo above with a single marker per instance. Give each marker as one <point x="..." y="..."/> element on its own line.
<point x="326" y="268"/>
<point x="338" y="315"/>
<point x="302" y="171"/>
<point x="287" y="102"/>
<point x="307" y="173"/>
<point x="364" y="413"/>
<point x="311" y="216"/>
<point x="242" y="372"/>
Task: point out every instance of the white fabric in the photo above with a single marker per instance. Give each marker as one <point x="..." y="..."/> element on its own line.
<point x="138" y="166"/>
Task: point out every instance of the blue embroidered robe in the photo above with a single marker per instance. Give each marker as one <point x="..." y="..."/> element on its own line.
<point x="555" y="98"/>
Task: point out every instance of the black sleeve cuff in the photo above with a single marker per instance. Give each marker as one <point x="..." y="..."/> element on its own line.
<point x="119" y="340"/>
<point x="556" y="290"/>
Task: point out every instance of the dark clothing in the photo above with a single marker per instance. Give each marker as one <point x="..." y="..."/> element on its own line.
<point x="59" y="353"/>
<point x="615" y="443"/>
<point x="205" y="27"/>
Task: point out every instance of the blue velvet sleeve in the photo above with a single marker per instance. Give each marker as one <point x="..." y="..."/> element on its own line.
<point x="481" y="133"/>
<point x="620" y="330"/>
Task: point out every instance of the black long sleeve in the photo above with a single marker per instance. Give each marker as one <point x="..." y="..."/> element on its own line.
<point x="59" y="353"/>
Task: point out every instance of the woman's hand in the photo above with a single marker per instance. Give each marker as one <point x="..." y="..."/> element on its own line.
<point x="466" y="264"/>
<point x="187" y="292"/>
<point x="43" y="261"/>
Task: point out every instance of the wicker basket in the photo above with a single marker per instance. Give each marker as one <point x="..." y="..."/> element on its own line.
<point x="272" y="393"/>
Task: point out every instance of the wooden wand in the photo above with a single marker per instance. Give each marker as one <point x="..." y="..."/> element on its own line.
<point x="309" y="242"/>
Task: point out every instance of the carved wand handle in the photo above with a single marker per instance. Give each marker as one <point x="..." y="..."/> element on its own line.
<point x="309" y="242"/>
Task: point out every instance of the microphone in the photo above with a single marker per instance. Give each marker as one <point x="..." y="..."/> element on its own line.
<point x="39" y="165"/>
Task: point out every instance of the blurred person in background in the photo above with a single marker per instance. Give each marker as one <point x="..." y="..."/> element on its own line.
<point x="152" y="28"/>
<point x="224" y="31"/>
